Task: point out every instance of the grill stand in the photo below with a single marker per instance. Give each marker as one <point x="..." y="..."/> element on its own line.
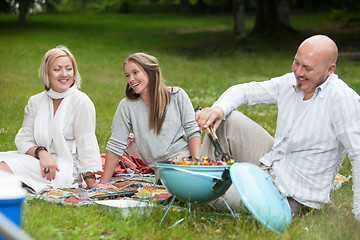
<point x="190" y="204"/>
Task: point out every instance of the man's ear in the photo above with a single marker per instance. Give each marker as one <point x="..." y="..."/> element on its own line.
<point x="332" y="68"/>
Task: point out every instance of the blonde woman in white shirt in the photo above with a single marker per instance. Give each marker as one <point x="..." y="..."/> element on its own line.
<point x="57" y="146"/>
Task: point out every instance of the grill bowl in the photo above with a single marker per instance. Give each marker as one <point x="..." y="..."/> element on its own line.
<point x="194" y="183"/>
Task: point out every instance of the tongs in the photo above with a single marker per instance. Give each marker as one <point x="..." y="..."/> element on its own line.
<point x="218" y="151"/>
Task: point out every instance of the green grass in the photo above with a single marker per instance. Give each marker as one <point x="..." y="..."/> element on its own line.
<point x="196" y="53"/>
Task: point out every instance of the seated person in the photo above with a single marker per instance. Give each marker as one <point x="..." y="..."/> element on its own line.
<point x="57" y="146"/>
<point x="160" y="117"/>
<point x="317" y="124"/>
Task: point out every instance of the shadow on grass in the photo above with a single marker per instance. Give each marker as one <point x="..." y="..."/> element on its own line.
<point x="177" y="35"/>
<point x="221" y="43"/>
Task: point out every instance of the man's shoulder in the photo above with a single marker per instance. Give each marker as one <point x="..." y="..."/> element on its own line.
<point x="340" y="87"/>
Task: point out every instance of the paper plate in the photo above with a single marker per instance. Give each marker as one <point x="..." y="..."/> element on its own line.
<point x="125" y="207"/>
<point x="260" y="196"/>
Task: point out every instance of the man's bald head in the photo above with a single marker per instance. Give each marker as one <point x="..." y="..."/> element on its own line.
<point x="321" y="45"/>
<point x="314" y="62"/>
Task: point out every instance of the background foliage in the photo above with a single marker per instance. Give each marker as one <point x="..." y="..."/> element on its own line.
<point x="197" y="53"/>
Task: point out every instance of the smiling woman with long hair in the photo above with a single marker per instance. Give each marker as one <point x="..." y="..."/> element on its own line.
<point x="162" y="118"/>
<point x="159" y="93"/>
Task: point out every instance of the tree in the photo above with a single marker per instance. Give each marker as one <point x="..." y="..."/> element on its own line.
<point x="84" y="4"/>
<point x="239" y="20"/>
<point x="24" y="6"/>
<point x="184" y="6"/>
<point x="272" y="18"/>
<point x="5" y="6"/>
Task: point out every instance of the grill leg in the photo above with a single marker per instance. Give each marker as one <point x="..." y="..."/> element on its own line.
<point x="182" y="218"/>
<point x="176" y="223"/>
<point x="228" y="206"/>
<point x="167" y="209"/>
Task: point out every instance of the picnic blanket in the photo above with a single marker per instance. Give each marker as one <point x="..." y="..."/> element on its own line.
<point x="136" y="187"/>
<point x="130" y="180"/>
<point x="133" y="178"/>
<point x="339" y="181"/>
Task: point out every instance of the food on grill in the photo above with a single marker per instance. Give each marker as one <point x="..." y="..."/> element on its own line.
<point x="202" y="160"/>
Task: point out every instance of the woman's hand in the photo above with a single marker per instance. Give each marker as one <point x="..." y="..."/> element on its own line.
<point x="91" y="182"/>
<point x="103" y="186"/>
<point x="48" y="165"/>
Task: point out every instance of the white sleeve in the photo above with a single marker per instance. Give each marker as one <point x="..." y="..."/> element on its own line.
<point x="85" y="138"/>
<point x="252" y="93"/>
<point x="24" y="139"/>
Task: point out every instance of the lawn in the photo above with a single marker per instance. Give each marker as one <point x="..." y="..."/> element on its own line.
<point x="196" y="53"/>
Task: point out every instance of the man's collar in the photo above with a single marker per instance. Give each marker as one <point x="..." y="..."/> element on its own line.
<point x="319" y="88"/>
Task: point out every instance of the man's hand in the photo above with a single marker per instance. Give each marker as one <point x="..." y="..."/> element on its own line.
<point x="209" y="116"/>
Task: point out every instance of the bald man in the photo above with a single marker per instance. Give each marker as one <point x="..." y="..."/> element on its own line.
<point x="318" y="122"/>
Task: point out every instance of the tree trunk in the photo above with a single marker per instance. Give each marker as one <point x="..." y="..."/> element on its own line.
<point x="22" y="10"/>
<point x="184" y="6"/>
<point x="283" y="10"/>
<point x="239" y="20"/>
<point x="84" y="4"/>
<point x="272" y="18"/>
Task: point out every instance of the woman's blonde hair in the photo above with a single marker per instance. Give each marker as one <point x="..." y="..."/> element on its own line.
<point x="49" y="57"/>
<point x="158" y="91"/>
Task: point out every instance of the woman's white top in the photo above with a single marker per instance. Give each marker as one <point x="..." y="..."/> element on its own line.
<point x="77" y="133"/>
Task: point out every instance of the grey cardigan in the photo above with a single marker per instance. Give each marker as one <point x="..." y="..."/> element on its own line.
<point x="133" y="116"/>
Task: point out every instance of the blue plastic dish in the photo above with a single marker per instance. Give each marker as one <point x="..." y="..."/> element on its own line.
<point x="193" y="183"/>
<point x="259" y="195"/>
